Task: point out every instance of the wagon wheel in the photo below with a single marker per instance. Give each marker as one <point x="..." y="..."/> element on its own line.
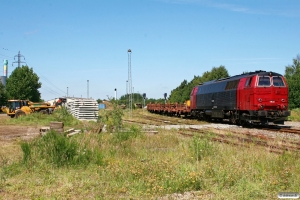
<point x="19" y="113"/>
<point x="208" y="118"/>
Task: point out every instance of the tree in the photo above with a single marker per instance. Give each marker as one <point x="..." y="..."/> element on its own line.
<point x="3" y="96"/>
<point x="183" y="91"/>
<point x="292" y="75"/>
<point x="23" y="83"/>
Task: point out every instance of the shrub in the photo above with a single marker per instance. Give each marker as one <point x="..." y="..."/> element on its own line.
<point x="112" y="118"/>
<point x="58" y="150"/>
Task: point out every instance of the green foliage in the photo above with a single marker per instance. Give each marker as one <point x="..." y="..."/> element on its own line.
<point x="148" y="167"/>
<point x="23" y="83"/>
<point x="136" y="98"/>
<point x="26" y="152"/>
<point x="112" y="118"/>
<point x="201" y="147"/>
<point x="133" y="132"/>
<point x="292" y="75"/>
<point x="182" y="92"/>
<point x="58" y="150"/>
<point x="295" y="115"/>
<point x="151" y="100"/>
<point x="3" y="95"/>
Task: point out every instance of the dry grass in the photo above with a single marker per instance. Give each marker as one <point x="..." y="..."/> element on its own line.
<point x="148" y="166"/>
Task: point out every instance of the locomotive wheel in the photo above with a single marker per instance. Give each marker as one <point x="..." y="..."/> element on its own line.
<point x="243" y="123"/>
<point x="233" y="119"/>
<point x="20" y="113"/>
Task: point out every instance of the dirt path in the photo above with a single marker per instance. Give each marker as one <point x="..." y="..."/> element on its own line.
<point x="13" y="132"/>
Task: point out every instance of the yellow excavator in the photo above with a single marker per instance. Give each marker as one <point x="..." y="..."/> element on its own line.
<point x="17" y="108"/>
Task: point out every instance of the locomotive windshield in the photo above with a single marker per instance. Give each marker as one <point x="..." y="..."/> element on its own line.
<point x="277" y="81"/>
<point x="267" y="81"/>
<point x="264" y="81"/>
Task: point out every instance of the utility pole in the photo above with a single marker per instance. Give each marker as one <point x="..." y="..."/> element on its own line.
<point x="19" y="59"/>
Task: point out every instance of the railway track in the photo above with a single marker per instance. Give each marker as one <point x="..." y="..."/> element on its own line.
<point x="284" y="130"/>
<point x="169" y="120"/>
<point x="245" y="140"/>
<point x="237" y="138"/>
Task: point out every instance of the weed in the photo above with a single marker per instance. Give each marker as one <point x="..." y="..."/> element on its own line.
<point x="26" y="152"/>
<point x="112" y="118"/>
<point x="58" y="150"/>
<point x="295" y="115"/>
<point x="133" y="132"/>
<point x="201" y="147"/>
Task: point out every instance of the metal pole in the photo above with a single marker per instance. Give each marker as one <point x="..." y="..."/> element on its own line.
<point x="129" y="82"/>
<point x="127" y="99"/>
<point x="87" y="88"/>
<point x="67" y="91"/>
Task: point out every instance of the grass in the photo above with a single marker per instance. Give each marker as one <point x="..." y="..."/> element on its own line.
<point x="295" y="115"/>
<point x="129" y="164"/>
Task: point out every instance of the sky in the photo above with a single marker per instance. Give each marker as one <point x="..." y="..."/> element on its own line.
<point x="80" y="48"/>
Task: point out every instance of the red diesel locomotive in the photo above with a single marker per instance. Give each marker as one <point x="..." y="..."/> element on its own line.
<point x="258" y="98"/>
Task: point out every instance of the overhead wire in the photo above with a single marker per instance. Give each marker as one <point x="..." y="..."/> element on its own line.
<point x="52" y="91"/>
<point x="56" y="91"/>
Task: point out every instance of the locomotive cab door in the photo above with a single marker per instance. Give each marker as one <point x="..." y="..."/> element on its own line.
<point x="245" y="93"/>
<point x="193" y="98"/>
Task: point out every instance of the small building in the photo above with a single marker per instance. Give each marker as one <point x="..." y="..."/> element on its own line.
<point x="101" y="106"/>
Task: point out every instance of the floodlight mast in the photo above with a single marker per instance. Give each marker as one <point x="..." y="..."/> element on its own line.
<point x="129" y="83"/>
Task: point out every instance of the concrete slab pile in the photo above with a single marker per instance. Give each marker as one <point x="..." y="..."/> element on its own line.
<point x="85" y="109"/>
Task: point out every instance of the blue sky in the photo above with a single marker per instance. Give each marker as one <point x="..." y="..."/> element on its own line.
<point x="69" y="42"/>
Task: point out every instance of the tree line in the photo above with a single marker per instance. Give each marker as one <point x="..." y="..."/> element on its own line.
<point x="23" y="83"/>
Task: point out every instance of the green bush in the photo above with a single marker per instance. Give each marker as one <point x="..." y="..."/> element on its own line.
<point x="112" y="118"/>
<point x="58" y="150"/>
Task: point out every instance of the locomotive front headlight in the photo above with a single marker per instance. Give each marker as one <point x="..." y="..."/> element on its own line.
<point x="282" y="100"/>
<point x="260" y="106"/>
<point x="259" y="100"/>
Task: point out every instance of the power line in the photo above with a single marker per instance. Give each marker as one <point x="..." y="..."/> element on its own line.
<point x="51" y="84"/>
<point x="19" y="59"/>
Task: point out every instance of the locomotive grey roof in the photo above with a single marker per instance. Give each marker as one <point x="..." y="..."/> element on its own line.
<point x="258" y="72"/>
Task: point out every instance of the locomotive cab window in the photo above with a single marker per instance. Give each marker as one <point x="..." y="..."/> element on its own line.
<point x="248" y="82"/>
<point x="277" y="81"/>
<point x="264" y="81"/>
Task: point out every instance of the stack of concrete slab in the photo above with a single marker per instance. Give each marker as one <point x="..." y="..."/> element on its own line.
<point x="85" y="109"/>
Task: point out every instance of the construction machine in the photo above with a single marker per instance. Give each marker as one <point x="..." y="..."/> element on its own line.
<point x="18" y="108"/>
